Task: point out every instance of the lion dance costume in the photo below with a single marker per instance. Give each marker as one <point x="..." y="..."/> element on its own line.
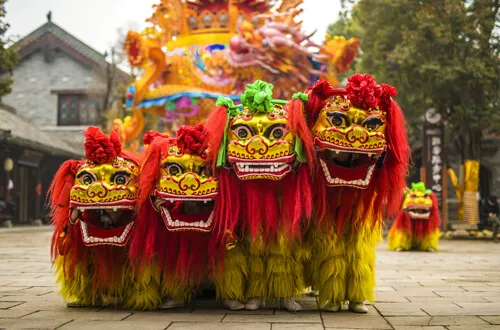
<point x="417" y="224"/>
<point x="178" y="243"/>
<point x="93" y="212"/>
<point x="260" y="153"/>
<point x="360" y="136"/>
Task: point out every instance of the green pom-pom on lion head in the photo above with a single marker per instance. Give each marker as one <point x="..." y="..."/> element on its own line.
<point x="420" y="186"/>
<point x="258" y="97"/>
<point x="232" y="109"/>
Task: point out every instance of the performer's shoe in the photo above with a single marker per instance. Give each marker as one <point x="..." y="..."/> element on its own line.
<point x="431" y="250"/>
<point x="254" y="303"/>
<point x="399" y="249"/>
<point x="233" y="305"/>
<point x="358" y="307"/>
<point x="332" y="307"/>
<point x="171" y="303"/>
<point x="291" y="305"/>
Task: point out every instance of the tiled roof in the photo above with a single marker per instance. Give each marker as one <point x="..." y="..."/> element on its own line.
<point x="64" y="36"/>
<point x="52" y="29"/>
<point x="26" y="134"/>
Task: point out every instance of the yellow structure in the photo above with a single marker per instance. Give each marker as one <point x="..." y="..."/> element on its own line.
<point x="197" y="50"/>
<point x="466" y="188"/>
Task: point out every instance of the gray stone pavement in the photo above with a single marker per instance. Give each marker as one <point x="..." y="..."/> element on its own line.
<point x="456" y="288"/>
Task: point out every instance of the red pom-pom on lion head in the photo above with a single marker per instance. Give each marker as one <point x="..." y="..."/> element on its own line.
<point x="99" y="148"/>
<point x="192" y="140"/>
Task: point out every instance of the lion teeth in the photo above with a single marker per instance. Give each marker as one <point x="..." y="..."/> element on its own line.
<point x="359" y="183"/>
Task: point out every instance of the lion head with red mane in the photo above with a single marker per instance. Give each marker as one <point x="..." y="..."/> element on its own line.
<point x="360" y="138"/>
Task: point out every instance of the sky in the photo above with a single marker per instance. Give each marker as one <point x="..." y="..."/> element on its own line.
<point x="96" y="22"/>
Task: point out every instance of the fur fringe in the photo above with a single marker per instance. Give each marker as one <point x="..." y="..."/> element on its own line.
<point x="231" y="281"/>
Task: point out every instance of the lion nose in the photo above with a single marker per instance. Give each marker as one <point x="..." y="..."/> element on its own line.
<point x="357" y="133"/>
<point x="257" y="145"/>
<point x="96" y="189"/>
<point x="189" y="181"/>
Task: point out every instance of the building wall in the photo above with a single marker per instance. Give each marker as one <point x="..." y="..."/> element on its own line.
<point x="34" y="79"/>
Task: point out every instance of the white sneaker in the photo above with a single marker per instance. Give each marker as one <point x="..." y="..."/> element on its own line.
<point x="332" y="307"/>
<point x="431" y="250"/>
<point x="233" y="305"/>
<point x="291" y="305"/>
<point x="399" y="249"/>
<point x="171" y="303"/>
<point x="254" y="303"/>
<point x="358" y="307"/>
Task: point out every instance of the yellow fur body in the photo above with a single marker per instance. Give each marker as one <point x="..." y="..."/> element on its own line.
<point x="399" y="239"/>
<point x="77" y="286"/>
<point x="405" y="241"/>
<point x="342" y="268"/>
<point x="230" y="282"/>
<point x="275" y="268"/>
<point x="172" y="286"/>
<point x="146" y="289"/>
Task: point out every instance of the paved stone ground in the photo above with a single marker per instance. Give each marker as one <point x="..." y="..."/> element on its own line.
<point x="456" y="288"/>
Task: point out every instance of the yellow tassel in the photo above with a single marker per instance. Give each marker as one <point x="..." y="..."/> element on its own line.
<point x="143" y="292"/>
<point x="231" y="281"/>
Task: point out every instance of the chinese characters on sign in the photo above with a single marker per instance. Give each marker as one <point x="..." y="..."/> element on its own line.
<point x="433" y="158"/>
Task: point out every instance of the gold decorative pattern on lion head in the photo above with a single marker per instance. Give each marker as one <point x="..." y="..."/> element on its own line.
<point x="105" y="191"/>
<point x="418" y="201"/>
<point x="350" y="129"/>
<point x="185" y="191"/>
<point x="260" y="144"/>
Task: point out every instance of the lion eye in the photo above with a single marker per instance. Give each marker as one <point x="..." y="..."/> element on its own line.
<point x="87" y="179"/>
<point x="277" y="132"/>
<point x="242" y="132"/>
<point x="372" y="123"/>
<point x="174" y="169"/>
<point x="120" y="180"/>
<point x="337" y="119"/>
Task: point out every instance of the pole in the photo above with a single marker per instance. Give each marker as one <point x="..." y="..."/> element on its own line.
<point x="444" y="198"/>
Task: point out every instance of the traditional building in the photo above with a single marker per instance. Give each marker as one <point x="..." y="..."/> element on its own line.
<point x="60" y="82"/>
<point x="29" y="159"/>
<point x="59" y="88"/>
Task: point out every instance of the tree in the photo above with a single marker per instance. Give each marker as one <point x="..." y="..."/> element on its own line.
<point x="438" y="53"/>
<point x="8" y="56"/>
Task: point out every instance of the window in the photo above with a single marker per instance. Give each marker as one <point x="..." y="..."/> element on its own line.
<point x="76" y="110"/>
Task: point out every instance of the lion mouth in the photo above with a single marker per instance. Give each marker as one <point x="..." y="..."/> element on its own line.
<point x="104" y="225"/>
<point x="420" y="212"/>
<point x="274" y="169"/>
<point x="186" y="213"/>
<point x="352" y="169"/>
